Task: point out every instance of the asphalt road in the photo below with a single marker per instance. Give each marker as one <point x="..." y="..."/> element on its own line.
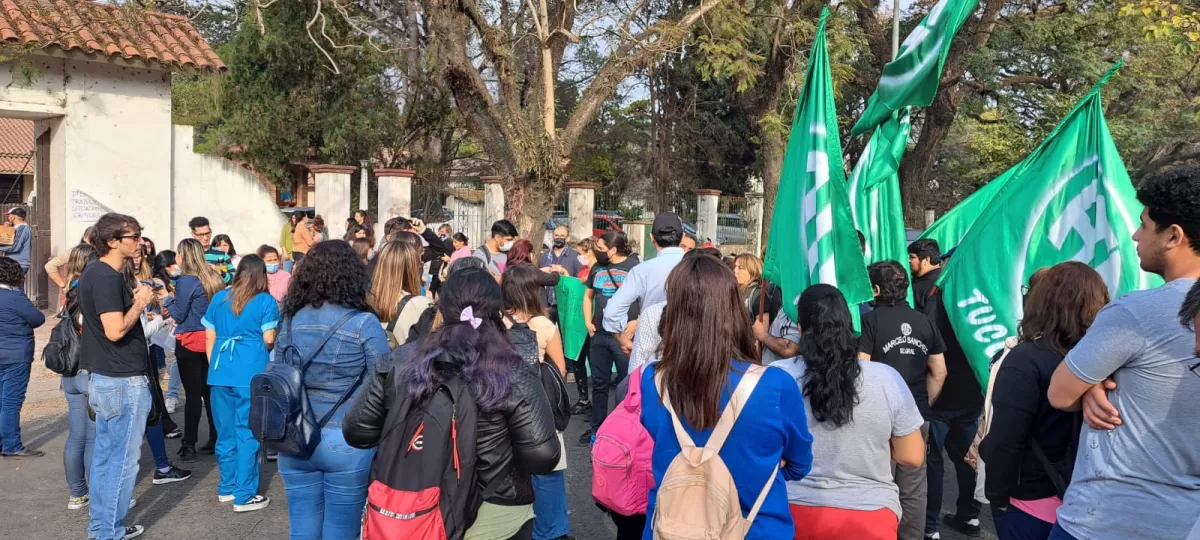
<point x="33" y="492"/>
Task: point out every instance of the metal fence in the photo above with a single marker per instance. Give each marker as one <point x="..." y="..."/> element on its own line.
<point x="733" y="220"/>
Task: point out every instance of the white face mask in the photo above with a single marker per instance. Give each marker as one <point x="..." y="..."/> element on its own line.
<point x="583" y="261"/>
<point x="507" y="246"/>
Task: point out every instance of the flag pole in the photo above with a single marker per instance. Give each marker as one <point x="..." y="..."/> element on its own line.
<point x="895" y="28"/>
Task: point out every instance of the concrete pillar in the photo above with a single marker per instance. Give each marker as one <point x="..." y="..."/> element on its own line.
<point x="754" y="215"/>
<point x="636" y="231"/>
<point x="706" y="214"/>
<point x="333" y="197"/>
<point x="395" y="196"/>
<point x="493" y="203"/>
<point x="581" y="207"/>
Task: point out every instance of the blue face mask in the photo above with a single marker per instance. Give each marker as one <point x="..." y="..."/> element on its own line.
<point x="272" y="268"/>
<point x="176" y="272"/>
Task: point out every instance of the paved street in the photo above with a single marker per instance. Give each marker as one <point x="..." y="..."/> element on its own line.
<point x="33" y="493"/>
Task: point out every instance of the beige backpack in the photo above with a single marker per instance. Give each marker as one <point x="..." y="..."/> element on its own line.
<point x="697" y="499"/>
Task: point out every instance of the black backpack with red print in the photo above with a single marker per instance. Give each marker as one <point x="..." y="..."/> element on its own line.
<point x="423" y="481"/>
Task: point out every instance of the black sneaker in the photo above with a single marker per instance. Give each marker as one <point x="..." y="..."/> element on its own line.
<point x="581" y="407"/>
<point x="969" y="527"/>
<point x="187" y="454"/>
<point x="26" y="453"/>
<point x="174" y="474"/>
<point x="134" y="531"/>
<point x="257" y="503"/>
<point x="208" y="449"/>
<point x="586" y="438"/>
<point x="174" y="434"/>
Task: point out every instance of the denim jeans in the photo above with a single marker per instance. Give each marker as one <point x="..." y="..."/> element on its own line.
<point x="237" y="449"/>
<point x="157" y="440"/>
<point x="81" y="434"/>
<point x="174" y="384"/>
<point x="954" y="431"/>
<point x="550" y="506"/>
<point x="327" y="491"/>
<point x="1013" y="524"/>
<point x="159" y="355"/>
<point x="606" y="352"/>
<point x="14" y="380"/>
<point x="1058" y="533"/>
<point x="122" y="405"/>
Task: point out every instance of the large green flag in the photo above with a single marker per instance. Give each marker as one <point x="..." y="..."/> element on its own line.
<point x="812" y="234"/>
<point x="912" y="78"/>
<point x="875" y="192"/>
<point x="1071" y="200"/>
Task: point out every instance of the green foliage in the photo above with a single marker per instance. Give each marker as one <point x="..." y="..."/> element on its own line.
<point x="280" y="103"/>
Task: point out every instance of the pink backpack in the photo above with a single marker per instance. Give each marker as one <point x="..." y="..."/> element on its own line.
<point x="621" y="458"/>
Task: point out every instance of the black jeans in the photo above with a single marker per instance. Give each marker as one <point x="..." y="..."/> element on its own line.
<point x="954" y="431"/>
<point x="606" y="352"/>
<point x="193" y="373"/>
<point x="629" y="527"/>
<point x="526" y="532"/>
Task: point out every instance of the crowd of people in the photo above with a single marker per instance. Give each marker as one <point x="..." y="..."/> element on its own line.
<point x="435" y="378"/>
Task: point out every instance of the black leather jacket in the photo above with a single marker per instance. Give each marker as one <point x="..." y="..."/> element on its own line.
<point x="516" y="440"/>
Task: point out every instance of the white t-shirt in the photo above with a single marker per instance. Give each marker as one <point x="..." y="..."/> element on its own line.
<point x="782" y="327"/>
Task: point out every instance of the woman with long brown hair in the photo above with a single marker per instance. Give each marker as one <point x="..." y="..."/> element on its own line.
<point x="196" y="286"/>
<point x="395" y="295"/>
<point x="1030" y="448"/>
<point x="240" y="327"/>
<point x="707" y="361"/>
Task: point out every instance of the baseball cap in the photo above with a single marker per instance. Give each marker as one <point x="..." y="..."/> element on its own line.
<point x="667" y="223"/>
<point x="18" y="211"/>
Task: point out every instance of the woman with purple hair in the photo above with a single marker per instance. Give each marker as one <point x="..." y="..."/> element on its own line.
<point x="515" y="435"/>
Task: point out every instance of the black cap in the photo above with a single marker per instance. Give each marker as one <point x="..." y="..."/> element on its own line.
<point x="667" y="223"/>
<point x="949" y="253"/>
<point x="18" y="211"/>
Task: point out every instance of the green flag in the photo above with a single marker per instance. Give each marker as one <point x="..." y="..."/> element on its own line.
<point x="1071" y="199"/>
<point x="569" y="292"/>
<point x="875" y="192"/>
<point x="812" y="234"/>
<point x="912" y="78"/>
<point x="950" y="229"/>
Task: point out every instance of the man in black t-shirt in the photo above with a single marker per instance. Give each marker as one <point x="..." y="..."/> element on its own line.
<point x="113" y="349"/>
<point x="901" y="337"/>
<point x="955" y="414"/>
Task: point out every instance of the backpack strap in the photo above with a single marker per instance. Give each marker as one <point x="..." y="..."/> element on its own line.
<point x="403" y="303"/>
<point x="728" y="417"/>
<point x="307" y="359"/>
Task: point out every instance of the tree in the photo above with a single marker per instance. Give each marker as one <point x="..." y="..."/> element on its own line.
<point x="501" y="61"/>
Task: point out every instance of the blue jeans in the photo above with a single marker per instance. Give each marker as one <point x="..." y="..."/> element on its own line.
<point x="1058" y="533"/>
<point x="605" y="354"/>
<point x="954" y="431"/>
<point x="157" y="440"/>
<point x="327" y="491"/>
<point x="160" y="356"/>
<point x="1014" y="524"/>
<point x="173" y="383"/>
<point x="122" y="405"/>
<point x="550" y="506"/>
<point x="81" y="434"/>
<point x="237" y="449"/>
<point x="14" y="380"/>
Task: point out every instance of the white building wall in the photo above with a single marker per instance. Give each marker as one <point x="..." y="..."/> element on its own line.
<point x="230" y="196"/>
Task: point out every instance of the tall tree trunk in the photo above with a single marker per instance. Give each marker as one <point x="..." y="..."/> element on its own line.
<point x="773" y="149"/>
<point x="917" y="166"/>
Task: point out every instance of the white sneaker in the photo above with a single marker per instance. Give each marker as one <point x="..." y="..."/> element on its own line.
<point x="132" y="503"/>
<point x="257" y="503"/>
<point x="225" y="498"/>
<point x="171" y="404"/>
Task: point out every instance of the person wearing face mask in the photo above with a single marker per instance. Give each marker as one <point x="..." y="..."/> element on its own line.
<point x="277" y="278"/>
<point x="494" y="252"/>
<point x="560" y="258"/>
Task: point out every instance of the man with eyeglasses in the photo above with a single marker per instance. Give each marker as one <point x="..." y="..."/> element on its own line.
<point x="113" y="350"/>
<point x="1136" y="472"/>
<point x="561" y="258"/>
<point x="219" y="260"/>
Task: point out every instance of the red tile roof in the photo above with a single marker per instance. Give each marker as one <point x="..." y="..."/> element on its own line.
<point x="107" y="31"/>
<point x="16" y="146"/>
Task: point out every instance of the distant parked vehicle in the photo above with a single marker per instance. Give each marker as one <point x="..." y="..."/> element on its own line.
<point x="306" y="210"/>
<point x="602" y="222"/>
<point x="731" y="229"/>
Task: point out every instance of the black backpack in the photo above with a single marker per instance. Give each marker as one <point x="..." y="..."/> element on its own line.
<point x="61" y="354"/>
<point x="423" y="482"/>
<point x="524" y="339"/>
<point x="281" y="416"/>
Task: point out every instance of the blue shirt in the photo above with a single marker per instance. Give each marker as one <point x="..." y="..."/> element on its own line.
<point x="646" y="282"/>
<point x="19" y="250"/>
<point x="350" y="354"/>
<point x="772" y="427"/>
<point x="18" y="318"/>
<point x="239" y="351"/>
